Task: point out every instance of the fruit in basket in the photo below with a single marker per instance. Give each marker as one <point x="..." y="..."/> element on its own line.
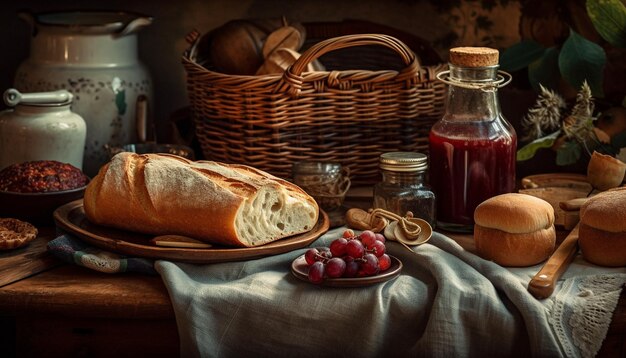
<point x="348" y="256"/>
<point x="237" y="47"/>
<point x="278" y="61"/>
<point x="283" y="37"/>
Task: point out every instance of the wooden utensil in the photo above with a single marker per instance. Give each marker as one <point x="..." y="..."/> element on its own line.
<point x="179" y="241"/>
<point x="542" y="284"/>
<point x="573" y="204"/>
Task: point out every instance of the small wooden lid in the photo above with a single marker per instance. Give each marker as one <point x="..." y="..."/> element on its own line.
<point x="474" y="56"/>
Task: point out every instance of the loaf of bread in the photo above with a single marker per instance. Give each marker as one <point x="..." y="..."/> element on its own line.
<point x="228" y="204"/>
<point x="602" y="231"/>
<point x="514" y="229"/>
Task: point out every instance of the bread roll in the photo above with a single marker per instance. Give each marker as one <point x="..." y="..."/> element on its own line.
<point x="602" y="231"/>
<point x="514" y="229"/>
<point x="227" y="204"/>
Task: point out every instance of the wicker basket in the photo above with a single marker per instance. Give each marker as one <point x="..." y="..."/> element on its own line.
<point x="346" y="114"/>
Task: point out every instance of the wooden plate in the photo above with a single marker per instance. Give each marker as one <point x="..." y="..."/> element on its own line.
<point x="71" y="218"/>
<point x="559" y="180"/>
<point x="300" y="269"/>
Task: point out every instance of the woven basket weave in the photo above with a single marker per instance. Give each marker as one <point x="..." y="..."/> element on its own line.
<point x="348" y="115"/>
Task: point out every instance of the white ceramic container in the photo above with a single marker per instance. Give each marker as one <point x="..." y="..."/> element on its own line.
<point x="93" y="55"/>
<point x="41" y="127"/>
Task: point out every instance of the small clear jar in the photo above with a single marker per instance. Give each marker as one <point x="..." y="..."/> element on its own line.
<point x="403" y="186"/>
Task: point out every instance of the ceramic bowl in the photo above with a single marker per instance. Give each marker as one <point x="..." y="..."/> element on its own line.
<point x="36" y="208"/>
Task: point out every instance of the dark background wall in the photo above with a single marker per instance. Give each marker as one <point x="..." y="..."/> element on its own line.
<point x="162" y="43"/>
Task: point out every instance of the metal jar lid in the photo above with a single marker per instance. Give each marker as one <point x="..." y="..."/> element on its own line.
<point x="403" y="162"/>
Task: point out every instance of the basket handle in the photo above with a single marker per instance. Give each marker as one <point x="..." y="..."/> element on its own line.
<point x="292" y="78"/>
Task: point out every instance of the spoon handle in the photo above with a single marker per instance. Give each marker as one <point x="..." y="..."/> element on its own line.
<point x="542" y="285"/>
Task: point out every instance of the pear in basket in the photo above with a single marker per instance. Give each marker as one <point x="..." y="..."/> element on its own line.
<point x="237" y="47"/>
<point x="279" y="60"/>
<point x="281" y="51"/>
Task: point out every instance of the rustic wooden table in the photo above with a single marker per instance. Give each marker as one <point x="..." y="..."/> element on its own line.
<point x="48" y="308"/>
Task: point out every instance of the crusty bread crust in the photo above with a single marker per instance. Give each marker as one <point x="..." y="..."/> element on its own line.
<point x="227" y="204"/>
<point x="606" y="211"/>
<point x="509" y="249"/>
<point x="602" y="247"/>
<point x="515" y="213"/>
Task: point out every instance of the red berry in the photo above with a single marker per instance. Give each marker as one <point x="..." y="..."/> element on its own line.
<point x="380" y="238"/>
<point x="368" y="238"/>
<point x="338" y="247"/>
<point x="384" y="262"/>
<point x="349" y="233"/>
<point x="370" y="264"/>
<point x="316" y="272"/>
<point x="310" y="256"/>
<point x="352" y="268"/>
<point x="378" y="248"/>
<point x="355" y="249"/>
<point x="335" y="267"/>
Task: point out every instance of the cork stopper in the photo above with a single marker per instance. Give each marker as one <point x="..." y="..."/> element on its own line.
<point x="474" y="56"/>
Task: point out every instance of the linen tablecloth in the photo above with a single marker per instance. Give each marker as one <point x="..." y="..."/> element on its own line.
<point x="446" y="302"/>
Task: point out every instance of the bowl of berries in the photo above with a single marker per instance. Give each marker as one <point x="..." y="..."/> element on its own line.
<point x="33" y="190"/>
<point x="350" y="261"/>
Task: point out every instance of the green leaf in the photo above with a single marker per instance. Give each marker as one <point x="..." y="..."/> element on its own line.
<point x="609" y="19"/>
<point x="545" y="70"/>
<point x="530" y="149"/>
<point x="580" y="60"/>
<point x="568" y="153"/>
<point x="520" y="55"/>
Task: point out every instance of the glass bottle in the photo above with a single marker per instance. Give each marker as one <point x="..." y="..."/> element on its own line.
<point x="472" y="147"/>
<point x="403" y="185"/>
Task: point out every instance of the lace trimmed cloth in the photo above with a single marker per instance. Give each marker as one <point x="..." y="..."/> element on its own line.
<point x="446" y="302"/>
<point x="581" y="312"/>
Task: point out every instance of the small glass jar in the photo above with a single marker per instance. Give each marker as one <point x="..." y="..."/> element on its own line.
<point x="403" y="186"/>
<point x="324" y="181"/>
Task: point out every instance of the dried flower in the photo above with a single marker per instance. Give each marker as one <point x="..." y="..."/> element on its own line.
<point x="545" y="116"/>
<point x="570" y="136"/>
<point x="579" y="124"/>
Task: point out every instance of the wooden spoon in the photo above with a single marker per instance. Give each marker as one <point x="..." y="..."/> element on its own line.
<point x="573" y="204"/>
<point x="360" y="219"/>
<point x="424" y="235"/>
<point x="543" y="283"/>
<point x="179" y="241"/>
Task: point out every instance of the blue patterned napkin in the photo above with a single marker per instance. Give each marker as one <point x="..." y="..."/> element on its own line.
<point x="75" y="251"/>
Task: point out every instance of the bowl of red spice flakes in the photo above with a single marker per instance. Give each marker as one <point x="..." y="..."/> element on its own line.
<point x="31" y="191"/>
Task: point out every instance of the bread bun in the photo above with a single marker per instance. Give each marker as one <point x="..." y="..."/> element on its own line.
<point x="602" y="231"/>
<point x="514" y="229"/>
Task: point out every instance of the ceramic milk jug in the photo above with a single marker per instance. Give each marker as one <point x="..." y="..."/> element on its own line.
<point x="40" y="127"/>
<point x="93" y="55"/>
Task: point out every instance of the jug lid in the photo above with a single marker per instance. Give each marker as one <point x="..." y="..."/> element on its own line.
<point x="89" y="21"/>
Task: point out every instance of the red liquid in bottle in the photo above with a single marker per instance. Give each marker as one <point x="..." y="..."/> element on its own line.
<point x="468" y="168"/>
